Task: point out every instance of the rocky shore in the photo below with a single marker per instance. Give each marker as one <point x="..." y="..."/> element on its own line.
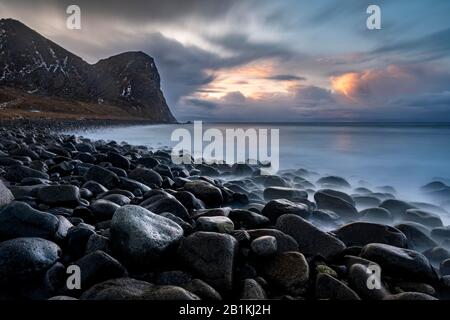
<point x="138" y="227"/>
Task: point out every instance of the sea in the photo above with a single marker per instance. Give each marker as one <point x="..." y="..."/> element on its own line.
<point x="403" y="155"/>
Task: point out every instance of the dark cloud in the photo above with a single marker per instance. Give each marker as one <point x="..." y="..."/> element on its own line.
<point x="430" y="47"/>
<point x="140" y="10"/>
<point x="286" y="77"/>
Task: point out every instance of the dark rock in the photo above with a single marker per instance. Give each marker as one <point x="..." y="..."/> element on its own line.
<point x="275" y="181"/>
<point x="284" y="193"/>
<point x="208" y="193"/>
<point x="436" y="255"/>
<point x="333" y="181"/>
<point x="140" y="237"/>
<point x="172" y="278"/>
<point x="17" y="173"/>
<point x="252" y="290"/>
<point x="366" y="201"/>
<point x="400" y="262"/>
<point x="59" y="195"/>
<point x="189" y="201"/>
<point x="410" y="296"/>
<point x="117" y="289"/>
<point x="168" y="293"/>
<point x="103" y="176"/>
<point x="118" y="199"/>
<point x="248" y="219"/>
<point x="416" y="238"/>
<point x="6" y="196"/>
<point x="284" y="242"/>
<point x="77" y="238"/>
<point x="264" y="246"/>
<point x="288" y="271"/>
<point x="215" y="224"/>
<point x="148" y="162"/>
<point x="376" y="215"/>
<point x="103" y="209"/>
<point x="441" y="233"/>
<point x="26" y="259"/>
<point x="444" y="268"/>
<point x="118" y="160"/>
<point x="148" y="177"/>
<point x="211" y="256"/>
<point x="95" y="187"/>
<point x="362" y="233"/>
<point x="358" y="276"/>
<point x="18" y="219"/>
<point x="187" y="227"/>
<point x="97" y="267"/>
<point x="336" y="201"/>
<point x="203" y="290"/>
<point x="132" y="185"/>
<point x="171" y="205"/>
<point x="397" y="207"/>
<point x="97" y="242"/>
<point x="330" y="288"/>
<point x="276" y="208"/>
<point x="423" y="217"/>
<point x="311" y="240"/>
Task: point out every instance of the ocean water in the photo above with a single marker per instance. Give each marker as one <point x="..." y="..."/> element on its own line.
<point x="405" y="156"/>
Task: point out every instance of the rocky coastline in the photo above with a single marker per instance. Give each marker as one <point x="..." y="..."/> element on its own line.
<point x="138" y="227"/>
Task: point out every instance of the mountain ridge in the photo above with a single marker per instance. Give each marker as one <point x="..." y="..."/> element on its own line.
<point x="40" y="67"/>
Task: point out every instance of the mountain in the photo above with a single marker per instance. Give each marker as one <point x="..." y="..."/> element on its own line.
<point x="35" y="66"/>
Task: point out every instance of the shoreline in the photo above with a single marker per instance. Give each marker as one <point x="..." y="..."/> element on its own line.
<point x="141" y="228"/>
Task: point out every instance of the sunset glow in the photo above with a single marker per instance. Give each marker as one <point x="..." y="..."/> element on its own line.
<point x="253" y="81"/>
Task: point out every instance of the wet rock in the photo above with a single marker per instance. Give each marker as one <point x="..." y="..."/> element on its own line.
<point x="248" y="219"/>
<point x="205" y="191"/>
<point x="6" y="196"/>
<point x="25" y="259"/>
<point x="359" y="278"/>
<point x="444" y="268"/>
<point x="211" y="256"/>
<point x="77" y="238"/>
<point x="400" y="262"/>
<point x="17" y="173"/>
<point x="362" y="233"/>
<point x="288" y="271"/>
<point x="333" y="181"/>
<point x="376" y="215"/>
<point x="18" y="219"/>
<point x="148" y="177"/>
<point x="264" y="246"/>
<point x="97" y="267"/>
<point x="203" y="290"/>
<point x="140" y="237"/>
<point x="276" y="208"/>
<point x="311" y="240"/>
<point x="118" y="199"/>
<point x="410" y="296"/>
<point x="215" y="224"/>
<point x="337" y="202"/>
<point x="94" y="187"/>
<point x="423" y="217"/>
<point x="396" y="207"/>
<point x="330" y="288"/>
<point x="284" y="193"/>
<point x="169" y="204"/>
<point x="436" y="255"/>
<point x="440" y="234"/>
<point x="68" y="195"/>
<point x="118" y="160"/>
<point x="103" y="176"/>
<point x="117" y="289"/>
<point x="416" y="238"/>
<point x="103" y="209"/>
<point x="168" y="293"/>
<point x="252" y="290"/>
<point x="275" y="181"/>
<point x="366" y="201"/>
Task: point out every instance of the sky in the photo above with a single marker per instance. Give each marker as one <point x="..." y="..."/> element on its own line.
<point x="265" y="60"/>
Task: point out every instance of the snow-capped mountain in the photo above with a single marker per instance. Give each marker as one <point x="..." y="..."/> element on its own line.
<point x="130" y="81"/>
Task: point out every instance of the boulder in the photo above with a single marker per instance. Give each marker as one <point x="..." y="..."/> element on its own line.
<point x="140" y="237"/>
<point x="311" y="240"/>
<point x="211" y="256"/>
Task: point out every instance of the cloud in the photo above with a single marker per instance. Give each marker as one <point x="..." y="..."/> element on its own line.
<point x="286" y="77"/>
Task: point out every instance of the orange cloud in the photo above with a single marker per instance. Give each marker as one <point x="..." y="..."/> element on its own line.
<point x="369" y="83"/>
<point x="254" y="80"/>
